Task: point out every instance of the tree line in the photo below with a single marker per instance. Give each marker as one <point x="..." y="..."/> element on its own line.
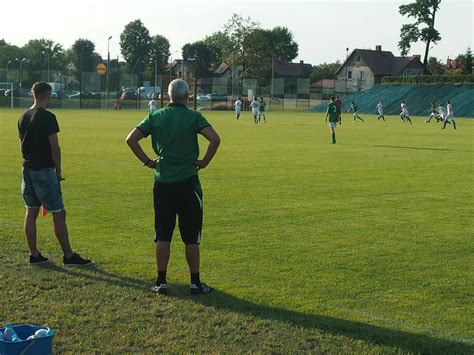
<point x="241" y="43"/>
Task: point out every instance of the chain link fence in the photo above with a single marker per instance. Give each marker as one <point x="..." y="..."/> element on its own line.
<point x="119" y="89"/>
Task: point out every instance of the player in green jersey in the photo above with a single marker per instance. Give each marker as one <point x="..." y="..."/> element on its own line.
<point x="334" y="114"/>
<point x="354" y="109"/>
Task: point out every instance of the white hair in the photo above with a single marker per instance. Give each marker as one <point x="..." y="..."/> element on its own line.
<point x="178" y="90"/>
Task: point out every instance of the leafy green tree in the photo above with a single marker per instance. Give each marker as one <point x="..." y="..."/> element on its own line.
<point x="237" y="29"/>
<point x="221" y="47"/>
<point x="159" y="52"/>
<point x="283" y="44"/>
<point x="435" y="66"/>
<point x="90" y="58"/>
<point x="324" y="71"/>
<point x="37" y="53"/>
<point x="135" y="45"/>
<point x="466" y="62"/>
<point x="423" y="29"/>
<point x="259" y="55"/>
<point x="200" y="55"/>
<point x="8" y="57"/>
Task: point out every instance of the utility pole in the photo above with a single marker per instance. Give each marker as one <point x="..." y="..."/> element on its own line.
<point x="107" y="75"/>
<point x="156" y="78"/>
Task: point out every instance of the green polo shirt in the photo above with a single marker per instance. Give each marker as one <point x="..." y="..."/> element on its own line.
<point x="174" y="138"/>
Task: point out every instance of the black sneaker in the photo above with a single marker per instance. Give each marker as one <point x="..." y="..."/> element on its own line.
<point x="76" y="260"/>
<point x="40" y="259"/>
<point x="199" y="289"/>
<point x="161" y="289"/>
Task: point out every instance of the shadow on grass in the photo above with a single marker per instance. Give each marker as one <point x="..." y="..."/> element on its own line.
<point x="409" y="342"/>
<point x="413" y="148"/>
<point x="419" y="148"/>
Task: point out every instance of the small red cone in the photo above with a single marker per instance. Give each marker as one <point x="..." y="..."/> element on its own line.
<point x="44" y="212"/>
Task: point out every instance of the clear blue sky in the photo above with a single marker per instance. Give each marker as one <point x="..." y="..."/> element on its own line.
<point x="323" y="29"/>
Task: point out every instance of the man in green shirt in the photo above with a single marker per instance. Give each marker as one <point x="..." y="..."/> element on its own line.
<point x="334" y="114"/>
<point x="177" y="191"/>
<point x="355" y="109"/>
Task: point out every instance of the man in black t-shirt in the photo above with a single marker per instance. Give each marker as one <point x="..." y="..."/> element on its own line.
<point x="38" y="132"/>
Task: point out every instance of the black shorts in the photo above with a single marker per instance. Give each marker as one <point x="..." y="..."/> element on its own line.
<point x="182" y="199"/>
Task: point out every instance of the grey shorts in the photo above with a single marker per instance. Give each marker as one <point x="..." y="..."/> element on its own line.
<point x="42" y="188"/>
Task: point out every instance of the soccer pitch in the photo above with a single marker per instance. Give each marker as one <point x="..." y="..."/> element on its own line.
<point x="363" y="246"/>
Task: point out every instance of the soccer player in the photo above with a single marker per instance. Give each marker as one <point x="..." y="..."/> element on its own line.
<point x="177" y="191"/>
<point x="433" y="113"/>
<point x="38" y="132"/>
<point x="255" y="107"/>
<point x="238" y="107"/>
<point x="404" y="114"/>
<point x="354" y="109"/>
<point x="450" y="116"/>
<point x="334" y="115"/>
<point x="152" y="104"/>
<point x="380" y="111"/>
<point x="339" y="105"/>
<point x="261" y="110"/>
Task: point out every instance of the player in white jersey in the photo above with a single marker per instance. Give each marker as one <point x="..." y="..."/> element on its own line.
<point x="433" y="113"/>
<point x="449" y="116"/>
<point x="238" y="107"/>
<point x="380" y="111"/>
<point x="255" y="107"/>
<point x="404" y="114"/>
<point x="152" y="105"/>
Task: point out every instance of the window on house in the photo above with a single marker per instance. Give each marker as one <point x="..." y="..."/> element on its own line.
<point x="349" y="75"/>
<point x="358" y="58"/>
<point x="362" y="75"/>
<point x="179" y="74"/>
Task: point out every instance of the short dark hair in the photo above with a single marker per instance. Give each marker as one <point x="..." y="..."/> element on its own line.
<point x="40" y="87"/>
<point x="332" y="98"/>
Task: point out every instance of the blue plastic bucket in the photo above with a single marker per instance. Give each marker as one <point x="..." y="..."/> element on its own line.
<point x="26" y="347"/>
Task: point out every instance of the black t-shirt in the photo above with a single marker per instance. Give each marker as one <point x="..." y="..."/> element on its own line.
<point x="35" y="126"/>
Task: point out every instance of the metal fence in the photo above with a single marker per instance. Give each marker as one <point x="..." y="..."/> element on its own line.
<point x="119" y="89"/>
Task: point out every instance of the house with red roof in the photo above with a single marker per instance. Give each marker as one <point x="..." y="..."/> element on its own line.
<point x="365" y="68"/>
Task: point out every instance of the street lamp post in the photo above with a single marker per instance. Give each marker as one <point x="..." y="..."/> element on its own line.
<point x="8" y="63"/>
<point x="107" y="75"/>
<point x="21" y="62"/>
<point x="49" y="79"/>
<point x="41" y="66"/>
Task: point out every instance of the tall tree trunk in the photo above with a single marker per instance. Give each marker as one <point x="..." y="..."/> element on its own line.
<point x="427" y="48"/>
<point x="425" y="60"/>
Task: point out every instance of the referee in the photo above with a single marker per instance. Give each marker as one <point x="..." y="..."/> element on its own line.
<point x="177" y="191"/>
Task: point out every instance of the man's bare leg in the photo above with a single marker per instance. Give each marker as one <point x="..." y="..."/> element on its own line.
<point x="60" y="229"/>
<point x="30" y="229"/>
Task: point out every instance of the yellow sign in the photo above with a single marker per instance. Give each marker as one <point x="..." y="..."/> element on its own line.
<point x="101" y="69"/>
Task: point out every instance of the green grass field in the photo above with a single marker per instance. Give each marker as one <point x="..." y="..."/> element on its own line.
<point x="361" y="247"/>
